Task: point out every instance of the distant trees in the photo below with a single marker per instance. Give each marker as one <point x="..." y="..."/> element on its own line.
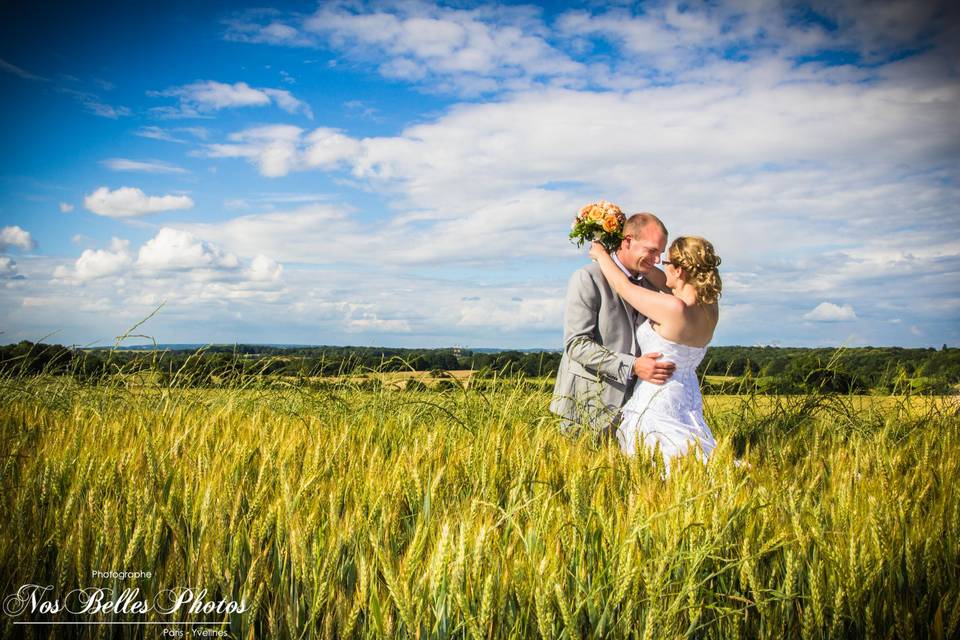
<point x="881" y="368"/>
<point x="760" y="369"/>
<point x="27" y="358"/>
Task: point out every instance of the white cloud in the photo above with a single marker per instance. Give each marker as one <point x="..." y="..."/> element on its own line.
<point x="494" y="47"/>
<point x="793" y="190"/>
<point x="263" y="268"/>
<point x="13" y="236"/>
<point x="157" y="133"/>
<point x="218" y="95"/>
<point x="328" y="148"/>
<point x="274" y="32"/>
<point x="710" y="153"/>
<point x="469" y="51"/>
<point x="94" y="105"/>
<point x="829" y="312"/>
<point x="286" y="101"/>
<point x="175" y="262"/>
<point x="207" y="96"/>
<point x="514" y="314"/>
<point x="327" y="234"/>
<point x="146" y="166"/>
<point x="359" y="318"/>
<point x="127" y="202"/>
<point x="305" y="234"/>
<point x="168" y="135"/>
<point x="274" y="148"/>
<point x="815" y="180"/>
<point x="277" y="150"/>
<point x="93" y="264"/>
<point x="181" y="250"/>
<point x="8" y="268"/>
<point x="66" y="207"/>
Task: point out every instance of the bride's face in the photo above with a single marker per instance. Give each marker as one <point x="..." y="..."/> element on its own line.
<point x="672" y="273"/>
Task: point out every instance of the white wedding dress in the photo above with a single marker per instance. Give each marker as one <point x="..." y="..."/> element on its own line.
<point x="670" y="414"/>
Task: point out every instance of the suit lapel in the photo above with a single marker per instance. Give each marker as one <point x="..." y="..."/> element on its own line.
<point x="635" y="316"/>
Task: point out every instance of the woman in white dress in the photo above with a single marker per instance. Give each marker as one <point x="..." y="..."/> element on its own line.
<point x="680" y="326"/>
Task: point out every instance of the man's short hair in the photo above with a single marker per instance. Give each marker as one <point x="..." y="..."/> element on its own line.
<point x="636" y="223"/>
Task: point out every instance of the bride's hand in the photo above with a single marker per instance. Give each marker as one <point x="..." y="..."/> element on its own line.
<point x="597" y="250"/>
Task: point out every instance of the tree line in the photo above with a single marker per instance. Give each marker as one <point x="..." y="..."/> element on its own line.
<point x="755" y="369"/>
<point x="796" y="369"/>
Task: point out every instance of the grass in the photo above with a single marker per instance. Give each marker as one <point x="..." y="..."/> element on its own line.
<point x="351" y="512"/>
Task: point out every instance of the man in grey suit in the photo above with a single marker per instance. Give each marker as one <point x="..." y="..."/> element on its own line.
<point x="600" y="363"/>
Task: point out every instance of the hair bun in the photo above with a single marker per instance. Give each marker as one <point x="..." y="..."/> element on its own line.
<point x="696" y="256"/>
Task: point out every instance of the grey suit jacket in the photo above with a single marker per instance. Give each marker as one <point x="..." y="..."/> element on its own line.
<point x="599" y="348"/>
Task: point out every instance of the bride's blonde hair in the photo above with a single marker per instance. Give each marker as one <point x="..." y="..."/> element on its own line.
<point x="695" y="255"/>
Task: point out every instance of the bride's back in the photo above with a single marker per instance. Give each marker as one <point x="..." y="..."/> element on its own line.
<point x="693" y="328"/>
<point x="691" y="273"/>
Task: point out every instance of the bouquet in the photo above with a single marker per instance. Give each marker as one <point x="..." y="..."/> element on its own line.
<point x="601" y="221"/>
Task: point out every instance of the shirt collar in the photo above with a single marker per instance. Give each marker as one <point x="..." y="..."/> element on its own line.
<point x="617" y="262"/>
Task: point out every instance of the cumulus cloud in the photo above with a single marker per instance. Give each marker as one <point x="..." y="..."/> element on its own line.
<point x="13" y="236"/>
<point x="170" y="260"/>
<point x="204" y="97"/>
<point x="264" y="269"/>
<point x="127" y="202"/>
<point x="145" y="166"/>
<point x="98" y="263"/>
<point x="829" y="312"/>
<point x="173" y="249"/>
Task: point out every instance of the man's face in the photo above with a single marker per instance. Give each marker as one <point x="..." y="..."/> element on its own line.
<point x="642" y="252"/>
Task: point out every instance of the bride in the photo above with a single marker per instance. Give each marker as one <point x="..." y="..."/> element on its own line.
<point x="680" y="326"/>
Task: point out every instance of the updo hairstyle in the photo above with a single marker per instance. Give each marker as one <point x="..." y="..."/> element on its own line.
<point x="699" y="262"/>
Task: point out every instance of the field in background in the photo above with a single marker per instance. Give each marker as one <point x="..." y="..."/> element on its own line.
<point x="354" y="512"/>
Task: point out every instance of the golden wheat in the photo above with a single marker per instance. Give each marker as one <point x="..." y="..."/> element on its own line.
<point x="367" y="514"/>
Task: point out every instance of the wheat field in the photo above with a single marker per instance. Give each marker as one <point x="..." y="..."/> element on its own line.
<point x="357" y="513"/>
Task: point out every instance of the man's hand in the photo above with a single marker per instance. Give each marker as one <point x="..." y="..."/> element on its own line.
<point x="647" y="368"/>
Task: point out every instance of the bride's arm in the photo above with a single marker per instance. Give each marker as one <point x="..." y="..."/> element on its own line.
<point x="655" y="305"/>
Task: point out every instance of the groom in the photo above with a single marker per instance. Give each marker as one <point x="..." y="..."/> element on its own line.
<point x="600" y="363"/>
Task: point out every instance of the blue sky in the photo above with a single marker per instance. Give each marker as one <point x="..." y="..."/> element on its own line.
<point x="404" y="173"/>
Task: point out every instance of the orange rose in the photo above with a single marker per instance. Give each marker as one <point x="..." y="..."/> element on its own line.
<point x="596" y="213"/>
<point x="610" y="222"/>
